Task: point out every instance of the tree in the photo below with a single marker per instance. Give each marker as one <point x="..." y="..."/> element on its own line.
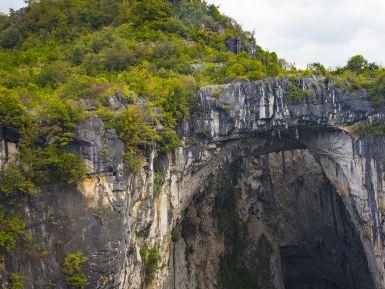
<point x="214" y="12"/>
<point x="357" y="64"/>
<point x="317" y="68"/>
<point x="378" y="91"/>
<point x="12" y="114"/>
<point x="150" y="10"/>
<point x="9" y="37"/>
<point x="13" y="182"/>
<point x="134" y="127"/>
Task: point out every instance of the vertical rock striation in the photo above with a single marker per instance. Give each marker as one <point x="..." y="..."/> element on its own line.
<point x="275" y="188"/>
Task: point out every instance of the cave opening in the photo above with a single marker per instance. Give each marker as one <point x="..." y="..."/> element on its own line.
<point x="272" y="221"/>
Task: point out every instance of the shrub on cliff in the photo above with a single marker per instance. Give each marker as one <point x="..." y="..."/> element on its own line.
<point x="13" y="183"/>
<point x="12" y="113"/>
<point x="377" y="90"/>
<point x="135" y="129"/>
<point x="73" y="268"/>
<point x="15" y="281"/>
<point x="54" y="165"/>
<point x="168" y="140"/>
<point x="151" y="263"/>
<point x="57" y="118"/>
<point x="12" y="229"/>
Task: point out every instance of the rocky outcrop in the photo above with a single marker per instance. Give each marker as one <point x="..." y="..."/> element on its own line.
<point x="236" y="45"/>
<point x="267" y="187"/>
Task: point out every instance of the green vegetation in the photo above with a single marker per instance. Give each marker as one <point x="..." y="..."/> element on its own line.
<point x="377" y="90"/>
<point x="61" y="61"/>
<point x="73" y="268"/>
<point x="203" y="133"/>
<point x="133" y="162"/>
<point x="358" y="64"/>
<point x="135" y="129"/>
<point x="52" y="164"/>
<point x="12" y="229"/>
<point x="357" y="74"/>
<point x="296" y="92"/>
<point x="14" y="183"/>
<point x="12" y="113"/>
<point x="371" y="129"/>
<point x="217" y="93"/>
<point x="158" y="183"/>
<point x="151" y="263"/>
<point x="15" y="281"/>
<point x="168" y="140"/>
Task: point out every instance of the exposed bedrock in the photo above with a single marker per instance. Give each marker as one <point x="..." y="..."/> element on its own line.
<point x="271" y="221"/>
<point x="271" y="193"/>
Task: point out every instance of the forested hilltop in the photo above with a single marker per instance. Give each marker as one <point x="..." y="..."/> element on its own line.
<point x="135" y="64"/>
<point x="64" y="60"/>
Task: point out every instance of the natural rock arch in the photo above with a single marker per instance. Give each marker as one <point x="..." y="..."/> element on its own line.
<point x="327" y="154"/>
<point x="320" y="123"/>
<point x="116" y="212"/>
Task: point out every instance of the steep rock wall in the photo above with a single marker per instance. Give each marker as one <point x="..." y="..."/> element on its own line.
<point x="270" y="221"/>
<point x="114" y="213"/>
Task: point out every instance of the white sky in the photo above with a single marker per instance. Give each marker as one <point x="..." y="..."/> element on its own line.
<point x="305" y="31"/>
<point x="6" y="4"/>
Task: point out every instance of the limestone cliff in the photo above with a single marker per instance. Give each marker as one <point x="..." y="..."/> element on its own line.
<point x="268" y="191"/>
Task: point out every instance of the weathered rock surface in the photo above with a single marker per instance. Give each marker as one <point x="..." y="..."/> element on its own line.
<point x="306" y="193"/>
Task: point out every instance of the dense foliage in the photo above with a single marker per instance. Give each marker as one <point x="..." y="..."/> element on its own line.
<point x="357" y="74"/>
<point x="137" y="65"/>
<point x="64" y="60"/>
<point x="11" y="230"/>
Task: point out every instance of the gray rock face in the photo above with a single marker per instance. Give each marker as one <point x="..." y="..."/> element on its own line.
<point x="307" y="193"/>
<point x="271" y="221"/>
<point x="237" y="46"/>
<point x="257" y="106"/>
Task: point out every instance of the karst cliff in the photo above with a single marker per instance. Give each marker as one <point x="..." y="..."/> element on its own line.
<point x="267" y="191"/>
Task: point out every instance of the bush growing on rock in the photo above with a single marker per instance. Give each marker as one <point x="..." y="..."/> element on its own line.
<point x="12" y="229"/>
<point x="15" y="281"/>
<point x="13" y="116"/>
<point x="74" y="264"/>
<point x="158" y="183"/>
<point x="13" y="183"/>
<point x="57" y="120"/>
<point x="151" y="263"/>
<point x="135" y="129"/>
<point x="377" y="90"/>
<point x="168" y="140"/>
<point x="53" y="165"/>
